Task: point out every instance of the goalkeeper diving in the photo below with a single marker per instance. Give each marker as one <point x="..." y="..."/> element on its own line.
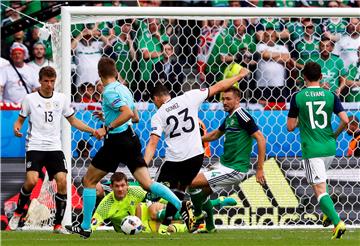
<point x="125" y="199"/>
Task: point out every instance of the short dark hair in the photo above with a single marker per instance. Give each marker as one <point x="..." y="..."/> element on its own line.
<point x="159" y="90"/>
<point x="118" y="176"/>
<point x="47" y="71"/>
<point x="235" y="91"/>
<point x="106" y="67"/>
<point x="312" y="71"/>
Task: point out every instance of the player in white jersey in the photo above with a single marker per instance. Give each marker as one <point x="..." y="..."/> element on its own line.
<point x="44" y="110"/>
<point x="178" y="119"/>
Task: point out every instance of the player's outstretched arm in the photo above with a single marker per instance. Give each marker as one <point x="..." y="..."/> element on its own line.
<point x="227" y="83"/>
<point x="261" y="143"/>
<point x="344" y="121"/>
<point x="78" y="124"/>
<point x="211" y="136"/>
<point x="151" y="147"/>
<point x="17" y="126"/>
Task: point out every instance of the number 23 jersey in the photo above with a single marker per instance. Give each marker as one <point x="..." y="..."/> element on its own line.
<point x="178" y="119"/>
<point x="44" y="113"/>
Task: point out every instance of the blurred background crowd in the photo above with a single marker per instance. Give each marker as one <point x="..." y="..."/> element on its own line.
<point x="182" y="52"/>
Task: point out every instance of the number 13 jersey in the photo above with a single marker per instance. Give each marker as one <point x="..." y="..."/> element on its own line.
<point x="44" y="115"/>
<point x="178" y="119"/>
<point x="313" y="106"/>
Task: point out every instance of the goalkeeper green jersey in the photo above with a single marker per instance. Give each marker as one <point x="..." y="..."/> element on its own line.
<point x="238" y="128"/>
<point x="313" y="106"/>
<point x="116" y="210"/>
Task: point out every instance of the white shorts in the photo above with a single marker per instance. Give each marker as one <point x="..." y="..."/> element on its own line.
<point x="221" y="177"/>
<point x="315" y="169"/>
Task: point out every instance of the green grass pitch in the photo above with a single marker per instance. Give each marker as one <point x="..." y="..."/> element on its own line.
<point x="221" y="238"/>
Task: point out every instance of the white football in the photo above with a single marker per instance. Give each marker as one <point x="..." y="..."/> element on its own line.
<point x="131" y="225"/>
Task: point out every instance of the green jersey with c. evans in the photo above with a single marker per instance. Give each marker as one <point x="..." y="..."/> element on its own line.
<point x="116" y="210"/>
<point x="238" y="128"/>
<point x="313" y="106"/>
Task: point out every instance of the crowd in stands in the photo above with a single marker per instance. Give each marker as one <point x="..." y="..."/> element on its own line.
<point x="174" y="51"/>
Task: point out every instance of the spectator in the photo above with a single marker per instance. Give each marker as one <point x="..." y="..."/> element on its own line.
<point x="87" y="91"/>
<point x="332" y="67"/>
<point x="99" y="88"/>
<point x="334" y="27"/>
<point x="13" y="15"/>
<point x="308" y="43"/>
<point x="88" y="48"/>
<point x="151" y="53"/>
<point x="346" y="48"/>
<point x="211" y="65"/>
<point x="310" y="3"/>
<point x="282" y="33"/>
<point x="220" y="3"/>
<point x="235" y="4"/>
<point x="241" y="43"/>
<point x="123" y="52"/>
<point x="34" y="38"/>
<point x="284" y="4"/>
<point x="271" y="72"/>
<point x="39" y="58"/>
<point x="16" y="37"/>
<point x="353" y="81"/>
<point x="354" y="131"/>
<point x="169" y="71"/>
<point x="17" y="79"/>
<point x="295" y="28"/>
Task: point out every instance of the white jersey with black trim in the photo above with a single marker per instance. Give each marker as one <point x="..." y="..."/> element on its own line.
<point x="44" y="113"/>
<point x="178" y="119"/>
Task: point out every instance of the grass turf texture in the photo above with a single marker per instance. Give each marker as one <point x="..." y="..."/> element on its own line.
<point x="225" y="237"/>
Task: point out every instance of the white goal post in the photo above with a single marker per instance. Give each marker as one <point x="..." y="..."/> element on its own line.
<point x="68" y="14"/>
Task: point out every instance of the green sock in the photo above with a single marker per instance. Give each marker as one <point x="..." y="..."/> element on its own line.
<point x="209" y="220"/>
<point x="198" y="198"/>
<point x="215" y="202"/>
<point x="177" y="216"/>
<point x="160" y="215"/>
<point x="328" y="208"/>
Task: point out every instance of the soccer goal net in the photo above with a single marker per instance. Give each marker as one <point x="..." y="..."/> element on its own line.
<point x="187" y="48"/>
